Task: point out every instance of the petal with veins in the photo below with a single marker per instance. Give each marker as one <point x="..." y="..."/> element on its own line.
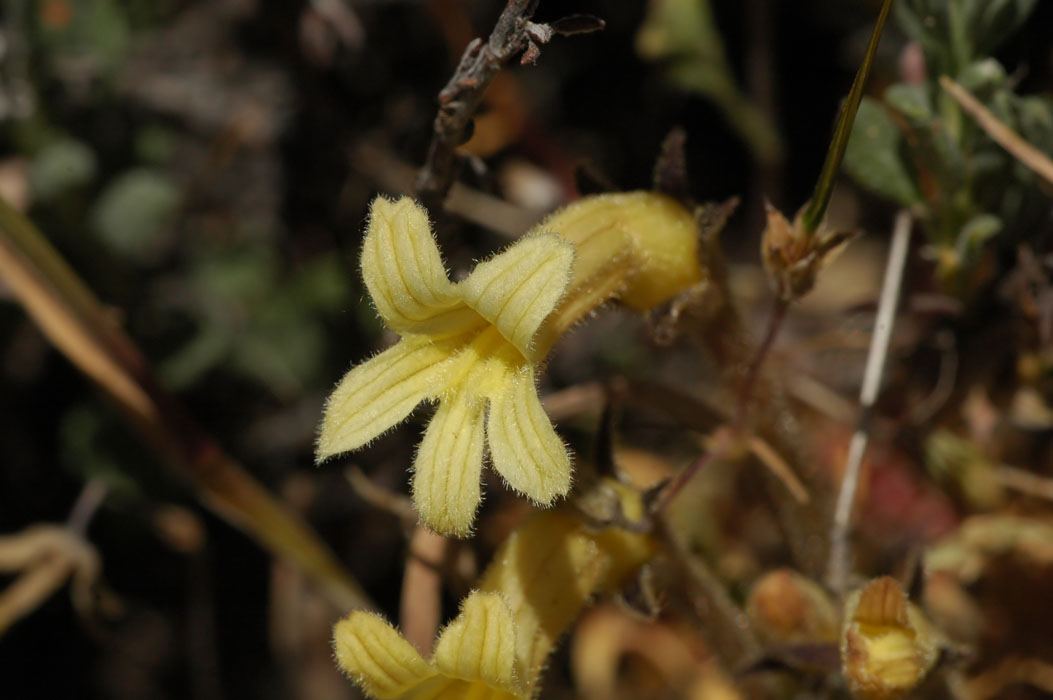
<point x="519" y="288"/>
<point x="480" y="643"/>
<point x="405" y="274"/>
<point x="523" y="444"/>
<point x="378" y="394"/>
<point x="449" y="465"/>
<point x="373" y="653"/>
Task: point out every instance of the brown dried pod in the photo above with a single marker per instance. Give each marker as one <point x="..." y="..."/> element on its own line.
<point x="786" y="608"/>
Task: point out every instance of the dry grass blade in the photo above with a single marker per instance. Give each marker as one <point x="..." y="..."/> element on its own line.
<point x="1008" y="139"/>
<point x="1025" y="482"/>
<point x="778" y="466"/>
<point x="45" y="557"/>
<point x="76" y="324"/>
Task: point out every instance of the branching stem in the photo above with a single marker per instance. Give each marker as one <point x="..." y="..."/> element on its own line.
<point x="460" y="98"/>
<point x="753" y="370"/>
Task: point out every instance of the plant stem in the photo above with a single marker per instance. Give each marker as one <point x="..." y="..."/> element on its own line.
<point x="749" y="382"/>
<point x="676" y="485"/>
<point x="87" y="504"/>
<point x="461" y="96"/>
<point x="839" y="563"/>
<point x="824" y="187"/>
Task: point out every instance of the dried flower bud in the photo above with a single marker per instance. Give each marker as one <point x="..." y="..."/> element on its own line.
<point x="788" y="609"/>
<point x="793" y="257"/>
<point x="887" y="644"/>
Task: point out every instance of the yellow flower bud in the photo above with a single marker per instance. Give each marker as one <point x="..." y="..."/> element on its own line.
<point x="785" y="608"/>
<point x="887" y="644"/>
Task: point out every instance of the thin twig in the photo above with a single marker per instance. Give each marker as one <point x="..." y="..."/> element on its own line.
<point x="778" y="315"/>
<point x="837" y="569"/>
<point x="1025" y="482"/>
<point x="1008" y="139"/>
<point x="513" y="34"/>
<point x="725" y="624"/>
<point x="379" y="497"/>
<point x="393" y="174"/>
<point x="574" y="400"/>
<point x="87" y="504"/>
<point x="460" y="98"/>
<point x="678" y="482"/>
<point x="770" y="458"/>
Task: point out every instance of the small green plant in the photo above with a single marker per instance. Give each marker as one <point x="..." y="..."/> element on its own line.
<point x="918" y="148"/>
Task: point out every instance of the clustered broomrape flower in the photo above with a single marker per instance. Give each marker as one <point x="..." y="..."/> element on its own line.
<point x="541" y="577"/>
<point x="476" y="346"/>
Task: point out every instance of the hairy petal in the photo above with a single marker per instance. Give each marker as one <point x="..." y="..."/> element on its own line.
<point x="517" y="289"/>
<point x="373" y="653"/>
<point x="380" y="393"/>
<point x="449" y="465"/>
<point x="480" y="643"/>
<point x="524" y="446"/>
<point x="405" y="274"/>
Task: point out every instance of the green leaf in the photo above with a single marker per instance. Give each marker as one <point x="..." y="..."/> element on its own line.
<point x="977" y="231"/>
<point x="61" y="166"/>
<point x="324" y="283"/>
<point x="873" y="156"/>
<point x="683" y="34"/>
<point x="997" y="19"/>
<point x="96" y="32"/>
<point x="133" y="212"/>
<point x="912" y="101"/>
<point x="983" y="76"/>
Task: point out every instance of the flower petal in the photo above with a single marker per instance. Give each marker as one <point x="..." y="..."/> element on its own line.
<point x="524" y="446"/>
<point x="517" y="289"/>
<point x="480" y="643"/>
<point x="380" y="393"/>
<point x="373" y="653"/>
<point x="405" y="275"/>
<point x="449" y="464"/>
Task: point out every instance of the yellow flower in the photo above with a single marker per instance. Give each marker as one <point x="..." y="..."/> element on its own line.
<point x="466" y="345"/>
<point x="475" y="346"/>
<point x="474" y="656"/>
<point x="539" y="581"/>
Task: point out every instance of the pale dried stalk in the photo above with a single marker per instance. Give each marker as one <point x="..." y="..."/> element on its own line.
<point x="840" y="558"/>
<point x="1025" y="482"/>
<point x="45" y="556"/>
<point x="1008" y="139"/>
<point x="770" y="458"/>
<point x="420" y="609"/>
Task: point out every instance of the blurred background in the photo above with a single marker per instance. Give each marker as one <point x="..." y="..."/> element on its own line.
<point x="206" y="167"/>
